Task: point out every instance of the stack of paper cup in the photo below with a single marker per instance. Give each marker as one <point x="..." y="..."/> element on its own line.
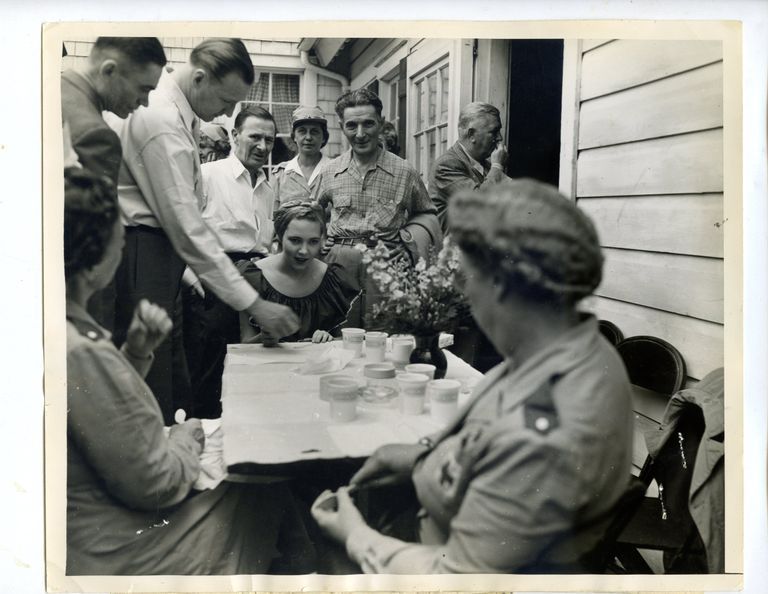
<point x="423" y="368"/>
<point x="343" y="399"/>
<point x="444" y="399"/>
<point x="413" y="387"/>
<point x="375" y="346"/>
<point x="353" y="340"/>
<point x="401" y="350"/>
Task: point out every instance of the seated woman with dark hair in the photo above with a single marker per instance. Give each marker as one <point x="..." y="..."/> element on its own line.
<point x="131" y="507"/>
<point x="527" y="475"/>
<point x="320" y="294"/>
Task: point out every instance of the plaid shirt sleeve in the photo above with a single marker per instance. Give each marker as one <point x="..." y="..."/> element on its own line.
<point x="419" y="201"/>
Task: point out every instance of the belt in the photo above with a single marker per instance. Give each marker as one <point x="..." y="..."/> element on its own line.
<point x="144" y="229"/>
<point x="237" y="256"/>
<point x="369" y="240"/>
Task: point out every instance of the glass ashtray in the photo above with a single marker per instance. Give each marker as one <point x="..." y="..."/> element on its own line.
<point x="378" y="395"/>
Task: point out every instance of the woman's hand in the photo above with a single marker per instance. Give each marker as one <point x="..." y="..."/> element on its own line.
<point x="321" y="336"/>
<point x="149" y="327"/>
<point x="390" y="463"/>
<point x="193" y="428"/>
<point x="336" y="514"/>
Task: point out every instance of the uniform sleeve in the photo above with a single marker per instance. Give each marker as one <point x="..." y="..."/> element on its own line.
<point x="98" y="150"/>
<point x="169" y="165"/>
<point x="116" y="424"/>
<point x="525" y="495"/>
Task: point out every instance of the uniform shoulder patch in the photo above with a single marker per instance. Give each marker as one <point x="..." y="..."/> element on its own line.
<point x="539" y="410"/>
<point x="87" y="329"/>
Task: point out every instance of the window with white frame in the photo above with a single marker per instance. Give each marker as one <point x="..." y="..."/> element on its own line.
<point x="430" y="116"/>
<point x="392" y="101"/>
<point x="278" y="93"/>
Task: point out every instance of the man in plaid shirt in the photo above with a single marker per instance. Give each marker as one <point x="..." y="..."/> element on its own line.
<point x="371" y="193"/>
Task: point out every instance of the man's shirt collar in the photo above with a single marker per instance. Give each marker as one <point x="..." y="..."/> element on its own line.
<point x="238" y="170"/>
<point x="168" y="87"/>
<point x="385" y="161"/>
<point x="476" y="165"/>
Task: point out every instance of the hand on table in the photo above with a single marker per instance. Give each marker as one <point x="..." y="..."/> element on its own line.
<point x="336" y="514"/>
<point x="273" y="318"/>
<point x="193" y="428"/>
<point x="321" y="336"/>
<point x="149" y="327"/>
<point x="390" y="463"/>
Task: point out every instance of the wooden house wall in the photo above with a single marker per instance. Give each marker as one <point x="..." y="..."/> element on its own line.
<point x="649" y="171"/>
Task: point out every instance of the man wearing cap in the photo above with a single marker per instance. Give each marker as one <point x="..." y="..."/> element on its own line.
<point x="298" y="178"/>
<point x="237" y="207"/>
<point x="373" y="195"/>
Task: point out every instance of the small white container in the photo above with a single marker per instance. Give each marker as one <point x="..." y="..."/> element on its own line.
<point x="401" y="350"/>
<point x="443" y="399"/>
<point x="413" y="387"/>
<point x="325" y="380"/>
<point x="375" y="346"/>
<point x="422" y="368"/>
<point x="352" y="339"/>
<point x="343" y="399"/>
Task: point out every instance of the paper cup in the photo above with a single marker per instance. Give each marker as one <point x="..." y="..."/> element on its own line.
<point x="401" y="350"/>
<point x="324" y="381"/>
<point x="375" y="346"/>
<point x="422" y="368"/>
<point x="352" y="339"/>
<point x="413" y="388"/>
<point x="443" y="399"/>
<point x="343" y="399"/>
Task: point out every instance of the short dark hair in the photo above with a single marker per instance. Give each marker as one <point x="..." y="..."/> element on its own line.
<point x="139" y="50"/>
<point x="253" y="111"/>
<point x="90" y="212"/>
<point x="356" y="98"/>
<point x="297" y="210"/>
<point x="223" y="55"/>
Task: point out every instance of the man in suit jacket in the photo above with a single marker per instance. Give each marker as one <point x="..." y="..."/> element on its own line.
<point x="119" y="74"/>
<point x="466" y="166"/>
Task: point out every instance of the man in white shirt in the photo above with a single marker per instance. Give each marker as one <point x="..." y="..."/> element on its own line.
<point x="161" y="198"/>
<point x="238" y="201"/>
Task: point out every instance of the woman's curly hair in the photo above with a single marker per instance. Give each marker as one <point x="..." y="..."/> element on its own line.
<point x="90" y="212"/>
<point x="535" y="240"/>
<point x="297" y="210"/>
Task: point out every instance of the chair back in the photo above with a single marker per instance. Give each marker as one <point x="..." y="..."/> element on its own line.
<point x="611" y="332"/>
<point x="653" y="363"/>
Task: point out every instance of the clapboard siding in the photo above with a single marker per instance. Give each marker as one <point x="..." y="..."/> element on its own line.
<point x="685" y="102"/>
<point x="700" y="342"/>
<point x="687" y="163"/>
<point x="693" y="223"/>
<point x="663" y="281"/>
<point x="628" y="63"/>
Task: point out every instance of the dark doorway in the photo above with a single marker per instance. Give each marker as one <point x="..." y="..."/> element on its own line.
<point x="535" y="98"/>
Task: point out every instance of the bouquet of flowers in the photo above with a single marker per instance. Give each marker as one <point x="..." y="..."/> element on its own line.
<point x="421" y="299"/>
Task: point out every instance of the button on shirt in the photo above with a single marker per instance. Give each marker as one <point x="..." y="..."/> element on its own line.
<point x="380" y="201"/>
<point x="290" y="183"/>
<point x="238" y="213"/>
<point x="160" y="185"/>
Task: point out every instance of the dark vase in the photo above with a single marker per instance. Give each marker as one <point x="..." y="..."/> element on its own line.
<point x="427" y="350"/>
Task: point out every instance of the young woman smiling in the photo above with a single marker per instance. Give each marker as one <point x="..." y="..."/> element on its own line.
<point x="319" y="293"/>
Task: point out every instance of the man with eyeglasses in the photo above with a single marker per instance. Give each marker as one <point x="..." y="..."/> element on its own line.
<point x="373" y="195"/>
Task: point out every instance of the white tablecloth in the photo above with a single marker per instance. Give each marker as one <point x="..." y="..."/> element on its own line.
<point x="272" y="414"/>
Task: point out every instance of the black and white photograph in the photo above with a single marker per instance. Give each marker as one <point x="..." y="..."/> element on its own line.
<point x="461" y="306"/>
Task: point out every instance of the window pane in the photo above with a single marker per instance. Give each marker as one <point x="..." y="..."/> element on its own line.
<point x="432" y="99"/>
<point x="259" y="90"/>
<point x="443" y="140"/>
<point x="420" y="117"/>
<point x="418" y="153"/>
<point x="282" y="115"/>
<point x="432" y="146"/>
<point x="444" y="94"/>
<point x="285" y="88"/>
